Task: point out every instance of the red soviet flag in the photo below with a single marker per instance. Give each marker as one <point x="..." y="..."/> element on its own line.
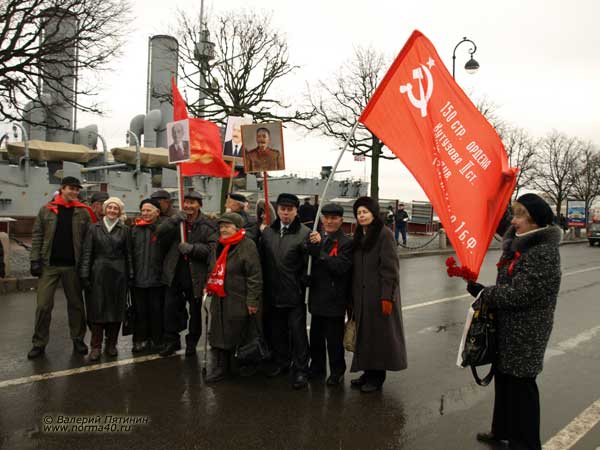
<point x="428" y="122"/>
<point x="206" y="151"/>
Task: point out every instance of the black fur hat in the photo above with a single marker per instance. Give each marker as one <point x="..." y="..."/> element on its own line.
<point x="368" y="203"/>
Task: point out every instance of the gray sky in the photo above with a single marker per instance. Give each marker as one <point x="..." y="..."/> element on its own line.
<point x="539" y="62"/>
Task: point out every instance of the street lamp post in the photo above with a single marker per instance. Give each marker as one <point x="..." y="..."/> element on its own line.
<point x="471" y="66"/>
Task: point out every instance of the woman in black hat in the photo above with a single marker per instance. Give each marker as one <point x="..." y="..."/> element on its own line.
<point x="380" y="342"/>
<point x="523" y="300"/>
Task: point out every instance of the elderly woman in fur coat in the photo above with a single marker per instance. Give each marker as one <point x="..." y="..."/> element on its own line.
<point x="523" y="299"/>
<point x="380" y="344"/>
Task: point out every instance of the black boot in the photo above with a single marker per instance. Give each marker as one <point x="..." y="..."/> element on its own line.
<point x="218" y="365"/>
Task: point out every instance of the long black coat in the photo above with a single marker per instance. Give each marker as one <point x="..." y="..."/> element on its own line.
<point x="147" y="256"/>
<point x="284" y="263"/>
<point x="243" y="288"/>
<point x="525" y="301"/>
<point x="330" y="293"/>
<point x="106" y="261"/>
<point x="380" y="343"/>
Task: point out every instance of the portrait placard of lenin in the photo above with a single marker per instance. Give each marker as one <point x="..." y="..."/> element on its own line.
<point x="263" y="147"/>
<point x="178" y="139"/>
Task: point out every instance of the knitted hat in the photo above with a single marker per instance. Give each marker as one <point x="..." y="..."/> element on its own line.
<point x="117" y="201"/>
<point x="151" y="201"/>
<point x="368" y="203"/>
<point x="233" y="218"/>
<point x="538" y="209"/>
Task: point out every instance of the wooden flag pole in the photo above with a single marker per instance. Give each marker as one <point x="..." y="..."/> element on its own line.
<point x="230" y="188"/>
<point x="180" y="194"/>
<point x="322" y="198"/>
<point x="267" y="214"/>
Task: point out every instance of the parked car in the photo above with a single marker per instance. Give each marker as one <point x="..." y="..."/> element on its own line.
<point x="593" y="233"/>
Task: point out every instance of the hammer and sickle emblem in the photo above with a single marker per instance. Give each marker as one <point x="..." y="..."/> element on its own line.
<point x="424" y="97"/>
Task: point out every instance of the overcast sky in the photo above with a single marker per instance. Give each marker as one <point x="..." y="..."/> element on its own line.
<point x="539" y="63"/>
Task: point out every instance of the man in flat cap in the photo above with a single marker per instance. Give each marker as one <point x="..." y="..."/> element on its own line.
<point x="96" y="201"/>
<point x="238" y="203"/>
<point x="166" y="203"/>
<point x="329" y="296"/>
<point x="57" y="238"/>
<point x="185" y="269"/>
<point x="283" y="247"/>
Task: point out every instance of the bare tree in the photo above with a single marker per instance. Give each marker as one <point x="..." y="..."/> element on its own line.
<point x="45" y="47"/>
<point x="489" y="109"/>
<point x="336" y="105"/>
<point x="555" y="165"/>
<point x="521" y="150"/>
<point x="250" y="57"/>
<point x="586" y="175"/>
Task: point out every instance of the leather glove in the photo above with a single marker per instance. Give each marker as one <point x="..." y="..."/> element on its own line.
<point x="85" y="283"/>
<point x="474" y="288"/>
<point x="179" y="216"/>
<point x="185" y="248"/>
<point x="36" y="268"/>
<point x="386" y="307"/>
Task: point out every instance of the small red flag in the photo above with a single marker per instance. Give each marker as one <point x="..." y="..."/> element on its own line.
<point x="429" y="123"/>
<point x="206" y="148"/>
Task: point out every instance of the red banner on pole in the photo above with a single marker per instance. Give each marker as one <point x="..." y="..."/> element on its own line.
<point x="206" y="148"/>
<point x="429" y="123"/>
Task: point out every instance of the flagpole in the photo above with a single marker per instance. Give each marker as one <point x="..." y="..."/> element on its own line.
<point x="230" y="188"/>
<point x="180" y="193"/>
<point x="267" y="214"/>
<point x="322" y="201"/>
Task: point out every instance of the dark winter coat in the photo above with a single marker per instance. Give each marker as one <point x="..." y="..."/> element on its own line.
<point x="44" y="228"/>
<point x="400" y="217"/>
<point x="203" y="236"/>
<point x="331" y="276"/>
<point x="243" y="288"/>
<point x="524" y="302"/>
<point x="380" y="343"/>
<point x="251" y="227"/>
<point x="284" y="264"/>
<point x="147" y="256"/>
<point x="106" y="261"/>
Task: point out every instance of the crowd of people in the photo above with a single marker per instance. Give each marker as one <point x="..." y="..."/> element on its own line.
<point x="165" y="263"/>
<point x="255" y="275"/>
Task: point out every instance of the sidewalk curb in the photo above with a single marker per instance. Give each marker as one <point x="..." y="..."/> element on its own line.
<point x="8" y="285"/>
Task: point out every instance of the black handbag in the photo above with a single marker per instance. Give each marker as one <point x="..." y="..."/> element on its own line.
<point x="480" y="344"/>
<point x="129" y="322"/>
<point x="255" y="350"/>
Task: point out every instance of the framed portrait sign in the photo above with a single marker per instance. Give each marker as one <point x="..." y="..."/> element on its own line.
<point x="178" y="140"/>
<point x="233" y="148"/>
<point x="263" y="144"/>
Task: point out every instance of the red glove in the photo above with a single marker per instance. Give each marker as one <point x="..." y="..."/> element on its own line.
<point x="386" y="307"/>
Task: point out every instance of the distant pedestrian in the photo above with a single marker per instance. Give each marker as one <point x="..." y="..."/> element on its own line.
<point x="523" y="300"/>
<point x="380" y="344"/>
<point x="57" y="237"/>
<point x="185" y="269"/>
<point x="235" y="283"/>
<point x="107" y="273"/>
<point x="148" y="292"/>
<point x="307" y="213"/>
<point x="401" y="220"/>
<point x="330" y="295"/>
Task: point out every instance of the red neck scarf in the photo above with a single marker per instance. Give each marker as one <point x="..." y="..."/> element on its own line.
<point x="216" y="279"/>
<point x="513" y="261"/>
<point x="334" y="250"/>
<point x="139" y="222"/>
<point x="60" y="201"/>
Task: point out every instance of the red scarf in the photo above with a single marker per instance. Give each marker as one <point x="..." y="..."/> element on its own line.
<point x="512" y="261"/>
<point x="60" y="201"/>
<point x="216" y="279"/>
<point x="139" y="222"/>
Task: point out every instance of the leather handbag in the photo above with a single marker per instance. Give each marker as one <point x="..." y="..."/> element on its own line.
<point x="350" y="335"/>
<point x="255" y="350"/>
<point x="129" y="322"/>
<point x="480" y="346"/>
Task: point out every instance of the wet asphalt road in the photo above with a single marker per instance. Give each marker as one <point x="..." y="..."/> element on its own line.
<point x="432" y="405"/>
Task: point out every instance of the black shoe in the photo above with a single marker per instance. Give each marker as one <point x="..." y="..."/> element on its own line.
<point x="489" y="438"/>
<point x="300" y="381"/>
<point x="370" y="387"/>
<point x="171" y="348"/>
<point x="335" y="380"/>
<point x="357" y="383"/>
<point x="190" y="351"/>
<point x="80" y="347"/>
<point x="35" y="352"/>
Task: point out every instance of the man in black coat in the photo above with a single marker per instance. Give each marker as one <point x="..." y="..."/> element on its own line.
<point x="237" y="203"/>
<point x="185" y="269"/>
<point x="329" y="294"/>
<point x="283" y="251"/>
<point x="401" y="220"/>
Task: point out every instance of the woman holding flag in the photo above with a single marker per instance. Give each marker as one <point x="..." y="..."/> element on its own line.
<point x="235" y="284"/>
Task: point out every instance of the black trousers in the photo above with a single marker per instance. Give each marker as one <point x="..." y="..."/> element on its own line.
<point x="176" y="315"/>
<point x="289" y="339"/>
<point x="149" y="305"/>
<point x="327" y="337"/>
<point x="517" y="412"/>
